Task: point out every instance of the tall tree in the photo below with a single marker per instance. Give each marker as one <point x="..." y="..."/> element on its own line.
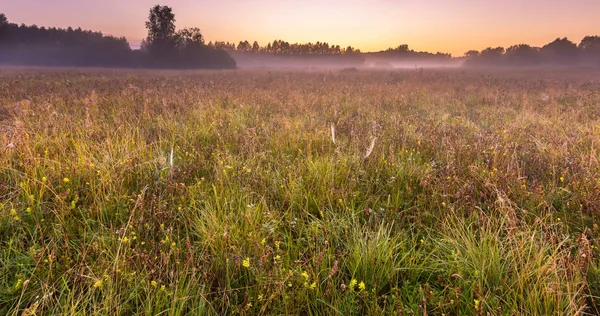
<point x="590" y="50"/>
<point x="162" y="39"/>
<point x="590" y="43"/>
<point x="472" y="54"/>
<point x="560" y="51"/>
<point x="190" y="36"/>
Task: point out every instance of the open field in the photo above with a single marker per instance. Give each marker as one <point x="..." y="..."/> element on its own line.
<point x="139" y="192"/>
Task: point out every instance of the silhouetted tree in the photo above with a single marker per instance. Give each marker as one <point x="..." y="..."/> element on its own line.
<point x="522" y="55"/>
<point x="590" y="50"/>
<point x="190" y="36"/>
<point x="400" y="48"/>
<point x="161" y="38"/>
<point x="590" y="44"/>
<point x="560" y="51"/>
<point x="472" y="54"/>
<point x="255" y="47"/>
<point x="244" y="46"/>
<point x="32" y="45"/>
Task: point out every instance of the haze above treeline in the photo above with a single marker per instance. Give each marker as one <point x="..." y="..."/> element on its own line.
<point x="167" y="47"/>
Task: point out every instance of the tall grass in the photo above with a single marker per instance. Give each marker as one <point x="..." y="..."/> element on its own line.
<point x="247" y="192"/>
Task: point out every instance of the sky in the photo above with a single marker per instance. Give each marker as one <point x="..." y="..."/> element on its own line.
<point x="451" y="26"/>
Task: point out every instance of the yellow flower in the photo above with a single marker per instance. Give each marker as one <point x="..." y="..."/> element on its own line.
<point x="422" y="240"/>
<point x="352" y="284"/>
<point x="263" y="241"/>
<point x="260" y="297"/>
<point x="154" y="283"/>
<point x="476" y="304"/>
<point x="66" y="180"/>
<point x="313" y="285"/>
<point x="13" y="212"/>
<point x="444" y="204"/>
<point x="125" y="240"/>
<point x="278" y="257"/>
<point x="98" y="284"/>
<point x="44" y="179"/>
<point x="562" y="179"/>
<point x="305" y="275"/>
<point x="361" y="286"/>
<point x="246" y="263"/>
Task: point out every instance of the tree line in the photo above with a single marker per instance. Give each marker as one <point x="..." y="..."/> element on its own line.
<point x="167" y="47"/>
<point x="281" y="47"/>
<point x="164" y="47"/>
<point x="560" y="52"/>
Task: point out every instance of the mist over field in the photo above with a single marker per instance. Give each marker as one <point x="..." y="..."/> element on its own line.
<point x="191" y="177"/>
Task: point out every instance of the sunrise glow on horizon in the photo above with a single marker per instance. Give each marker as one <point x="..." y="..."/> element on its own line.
<point x="451" y="26"/>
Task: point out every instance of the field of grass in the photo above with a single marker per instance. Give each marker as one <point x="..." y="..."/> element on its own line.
<point x="299" y="193"/>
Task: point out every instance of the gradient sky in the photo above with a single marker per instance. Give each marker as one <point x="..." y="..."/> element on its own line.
<point x="453" y="26"/>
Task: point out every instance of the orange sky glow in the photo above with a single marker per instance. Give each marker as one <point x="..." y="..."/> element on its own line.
<point x="452" y="26"/>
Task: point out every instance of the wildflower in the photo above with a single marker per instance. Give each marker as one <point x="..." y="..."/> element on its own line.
<point x="277" y="258"/>
<point x="13" y="212"/>
<point x="562" y="179"/>
<point x="305" y="275"/>
<point x="249" y="305"/>
<point x="422" y="240"/>
<point x="277" y="244"/>
<point x="444" y="204"/>
<point x="125" y="240"/>
<point x="263" y="241"/>
<point x="98" y="284"/>
<point x="44" y="179"/>
<point x="154" y="283"/>
<point x="246" y="263"/>
<point x="313" y="285"/>
<point x="352" y="284"/>
<point x="361" y="286"/>
<point x="558" y="219"/>
<point x="162" y="287"/>
<point x="260" y="297"/>
<point x="476" y="304"/>
<point x="66" y="180"/>
<point x="173" y="244"/>
<point x="19" y="284"/>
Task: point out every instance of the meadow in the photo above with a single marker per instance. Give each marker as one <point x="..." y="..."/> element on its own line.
<point x="408" y="192"/>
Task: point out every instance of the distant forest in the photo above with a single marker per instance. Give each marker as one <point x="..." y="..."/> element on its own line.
<point x="560" y="52"/>
<point x="167" y="47"/>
